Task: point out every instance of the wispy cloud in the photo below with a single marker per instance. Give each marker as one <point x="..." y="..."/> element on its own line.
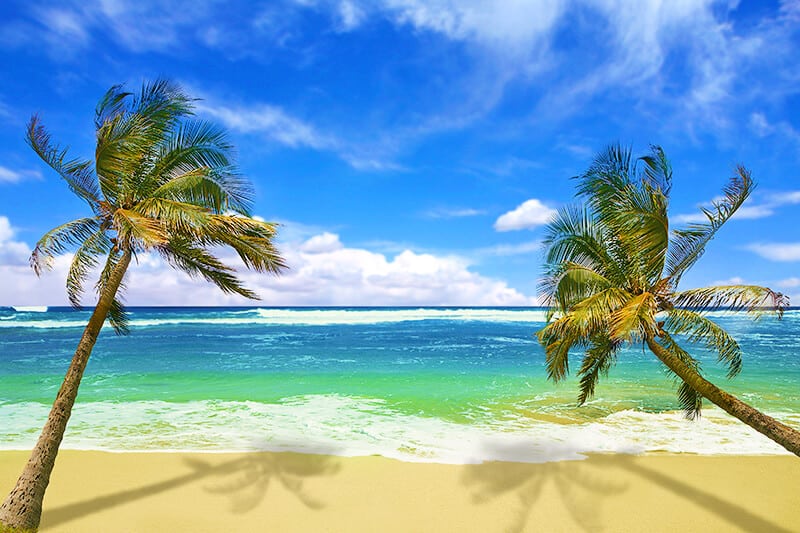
<point x="278" y="126"/>
<point x="765" y="206"/>
<point x="271" y="122"/>
<point x="776" y="251"/>
<point x="788" y="283"/>
<point x="528" y="215"/>
<point x="8" y="175"/>
<point x="680" y="59"/>
<point x="781" y="130"/>
<point x="453" y="212"/>
<point x="503" y="250"/>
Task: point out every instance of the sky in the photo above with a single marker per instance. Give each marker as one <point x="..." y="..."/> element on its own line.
<point x="413" y="150"/>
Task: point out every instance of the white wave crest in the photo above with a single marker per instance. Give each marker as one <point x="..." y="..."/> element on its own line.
<point x="363" y="426"/>
<point x="318" y="317"/>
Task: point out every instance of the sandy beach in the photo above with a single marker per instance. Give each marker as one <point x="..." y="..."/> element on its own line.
<point x="115" y="492"/>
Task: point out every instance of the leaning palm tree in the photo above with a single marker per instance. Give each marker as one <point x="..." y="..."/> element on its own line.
<point x="612" y="278"/>
<point x="160" y="183"/>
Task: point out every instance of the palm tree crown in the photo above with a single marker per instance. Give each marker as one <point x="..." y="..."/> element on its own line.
<point x="613" y="268"/>
<point x="160" y="182"/>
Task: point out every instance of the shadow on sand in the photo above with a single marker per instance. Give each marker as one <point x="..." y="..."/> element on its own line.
<point x="734" y="514"/>
<point x="245" y="480"/>
<point x="580" y="487"/>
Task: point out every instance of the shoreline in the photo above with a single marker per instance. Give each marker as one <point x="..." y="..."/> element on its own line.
<point x="287" y="491"/>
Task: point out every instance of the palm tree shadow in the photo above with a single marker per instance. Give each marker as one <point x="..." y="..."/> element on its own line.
<point x="737" y="515"/>
<point x="247" y="486"/>
<point x="251" y="475"/>
<point x="580" y="487"/>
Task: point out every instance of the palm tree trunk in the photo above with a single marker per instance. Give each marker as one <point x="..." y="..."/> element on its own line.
<point x="784" y="435"/>
<point x="22" y="509"/>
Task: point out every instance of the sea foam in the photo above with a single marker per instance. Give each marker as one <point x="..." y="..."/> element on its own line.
<point x="317" y="317"/>
<point x="349" y="426"/>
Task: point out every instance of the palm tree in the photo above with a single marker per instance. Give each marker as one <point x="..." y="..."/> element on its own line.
<point x="611" y="278"/>
<point x="160" y="183"/>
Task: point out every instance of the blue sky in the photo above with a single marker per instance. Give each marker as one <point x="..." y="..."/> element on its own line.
<point x="412" y="149"/>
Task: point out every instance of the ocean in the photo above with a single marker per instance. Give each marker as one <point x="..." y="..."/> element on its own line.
<point x="448" y="385"/>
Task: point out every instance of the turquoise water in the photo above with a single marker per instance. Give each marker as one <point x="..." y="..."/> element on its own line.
<point x="423" y="384"/>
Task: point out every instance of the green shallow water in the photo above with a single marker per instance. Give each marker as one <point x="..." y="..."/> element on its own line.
<point x="199" y="375"/>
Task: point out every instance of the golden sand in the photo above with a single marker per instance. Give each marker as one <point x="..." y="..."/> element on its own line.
<point x="174" y="492"/>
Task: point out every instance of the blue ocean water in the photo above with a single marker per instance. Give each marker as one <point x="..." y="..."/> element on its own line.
<point x="418" y="384"/>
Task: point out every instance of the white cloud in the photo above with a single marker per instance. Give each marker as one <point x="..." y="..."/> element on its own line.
<point x="759" y="124"/>
<point x="453" y="212"/>
<point x="322" y="271"/>
<point x="8" y="175"/>
<point x="750" y="210"/>
<point x="788" y="283"/>
<point x="528" y="215"/>
<point x="270" y="121"/>
<point x="278" y="126"/>
<point x="782" y="130"/>
<point x="68" y="27"/>
<point x="511" y="249"/>
<point x="775" y="251"/>
<point x="735" y="280"/>
<point x="13" y="253"/>
<point x="350" y="15"/>
<point x="323" y="243"/>
<point x="503" y="24"/>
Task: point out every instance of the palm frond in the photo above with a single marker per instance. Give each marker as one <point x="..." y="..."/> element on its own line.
<point x="257" y="253"/>
<point x="180" y="253"/>
<point x="118" y="317"/>
<point x="123" y="144"/>
<point x="174" y="215"/>
<point x="635" y="319"/>
<point x="110" y="105"/>
<point x="687" y="245"/>
<point x="597" y="361"/>
<point x="690" y="400"/>
<point x="163" y="102"/>
<point x="750" y="298"/>
<point x="657" y="170"/>
<point x="571" y="283"/>
<point x="77" y="173"/>
<point x="639" y="219"/>
<point x="700" y="329"/>
<point x="591" y="315"/>
<point x="59" y="240"/>
<point x="609" y="173"/>
<point x="203" y="187"/>
<point x="84" y="260"/>
<point x="573" y="235"/>
<point x="558" y="337"/>
<point x="138" y="232"/>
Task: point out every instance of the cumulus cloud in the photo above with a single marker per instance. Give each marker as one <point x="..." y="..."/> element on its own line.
<point x="776" y="251"/>
<point x="528" y="215"/>
<point x="325" y="242"/>
<point x="322" y="271"/>
<point x="12" y="253"/>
